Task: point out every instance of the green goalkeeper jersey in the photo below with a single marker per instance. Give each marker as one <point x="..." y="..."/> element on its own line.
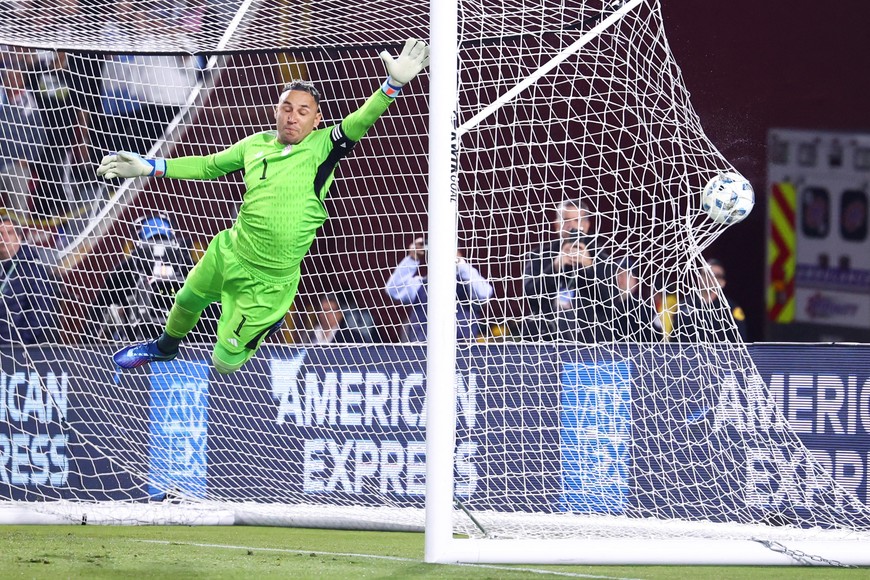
<point x="285" y="186"/>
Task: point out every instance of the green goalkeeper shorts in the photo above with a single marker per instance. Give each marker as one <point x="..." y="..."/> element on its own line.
<point x="249" y="307"/>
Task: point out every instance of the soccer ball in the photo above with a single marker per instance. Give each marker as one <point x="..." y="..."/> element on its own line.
<point x="728" y="198"/>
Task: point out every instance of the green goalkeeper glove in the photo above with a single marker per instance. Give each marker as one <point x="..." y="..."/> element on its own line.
<point x="403" y="69"/>
<point x="125" y="164"/>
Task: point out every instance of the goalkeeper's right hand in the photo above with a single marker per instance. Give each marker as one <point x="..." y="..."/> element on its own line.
<point x="125" y="164"/>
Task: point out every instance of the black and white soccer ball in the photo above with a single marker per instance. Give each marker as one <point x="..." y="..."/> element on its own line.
<point x="728" y="198"/>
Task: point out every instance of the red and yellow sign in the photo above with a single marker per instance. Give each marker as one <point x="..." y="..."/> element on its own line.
<point x="781" y="253"/>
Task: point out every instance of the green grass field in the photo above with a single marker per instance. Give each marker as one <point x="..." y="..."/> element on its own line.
<point x="247" y="552"/>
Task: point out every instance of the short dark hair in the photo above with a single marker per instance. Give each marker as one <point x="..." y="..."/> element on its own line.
<point x="305" y="87"/>
<point x="713" y="262"/>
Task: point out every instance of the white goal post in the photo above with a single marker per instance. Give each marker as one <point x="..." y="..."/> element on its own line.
<point x="506" y="334"/>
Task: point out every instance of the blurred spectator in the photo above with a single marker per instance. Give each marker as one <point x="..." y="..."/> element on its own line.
<point x="736" y="311"/>
<point x="65" y="88"/>
<point x="630" y="318"/>
<point x="407" y="286"/>
<point x="508" y="330"/>
<point x="21" y="139"/>
<point x="67" y="91"/>
<point x="141" y="93"/>
<point x="541" y="273"/>
<point x="28" y="312"/>
<point x="339" y="320"/>
<point x="138" y="294"/>
<point x="581" y="289"/>
<point x="705" y="315"/>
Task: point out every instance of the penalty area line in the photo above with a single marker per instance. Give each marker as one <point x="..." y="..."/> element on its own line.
<point x="376" y="557"/>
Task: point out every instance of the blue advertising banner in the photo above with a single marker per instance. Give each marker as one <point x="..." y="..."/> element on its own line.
<point x="330" y="423"/>
<point x="178" y="422"/>
<point x="824" y="393"/>
<point x="33" y="446"/>
<point x="539" y="427"/>
<point x="345" y="422"/>
<point x="70" y="427"/>
<point x="595" y="436"/>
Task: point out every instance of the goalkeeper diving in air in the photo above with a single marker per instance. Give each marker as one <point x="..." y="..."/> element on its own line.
<point x="253" y="268"/>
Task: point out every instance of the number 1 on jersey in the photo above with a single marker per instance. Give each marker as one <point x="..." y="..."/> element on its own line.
<point x="238" y="329"/>
<point x="265" y="165"/>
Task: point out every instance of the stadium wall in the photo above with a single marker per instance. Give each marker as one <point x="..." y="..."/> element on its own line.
<point x="751" y="66"/>
<point x="347" y="423"/>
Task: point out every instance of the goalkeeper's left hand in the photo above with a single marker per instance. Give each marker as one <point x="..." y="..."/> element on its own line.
<point x="125" y="164"/>
<point x="403" y="69"/>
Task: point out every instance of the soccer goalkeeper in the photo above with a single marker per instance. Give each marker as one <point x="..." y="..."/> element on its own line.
<point x="253" y="268"/>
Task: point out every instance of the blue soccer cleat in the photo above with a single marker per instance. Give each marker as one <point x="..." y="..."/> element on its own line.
<point x="137" y="355"/>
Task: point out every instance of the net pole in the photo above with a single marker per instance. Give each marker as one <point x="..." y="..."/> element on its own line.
<point x="441" y="334"/>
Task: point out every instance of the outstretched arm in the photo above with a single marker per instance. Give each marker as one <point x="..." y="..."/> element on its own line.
<point x="125" y="164"/>
<point x="400" y="71"/>
<point x="405" y="283"/>
<point x="479" y="288"/>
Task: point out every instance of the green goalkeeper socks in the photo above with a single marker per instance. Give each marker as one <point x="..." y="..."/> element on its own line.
<point x="182" y="317"/>
<point x="180" y="321"/>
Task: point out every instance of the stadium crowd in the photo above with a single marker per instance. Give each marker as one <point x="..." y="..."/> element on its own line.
<point x="60" y="112"/>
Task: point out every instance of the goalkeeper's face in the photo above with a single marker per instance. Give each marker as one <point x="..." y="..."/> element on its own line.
<point x="297" y="115"/>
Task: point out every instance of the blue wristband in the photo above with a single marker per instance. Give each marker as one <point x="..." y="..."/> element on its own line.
<point x="390" y="89"/>
<point x="158" y="167"/>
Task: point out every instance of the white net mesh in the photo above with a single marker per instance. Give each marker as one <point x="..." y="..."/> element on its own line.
<point x="600" y="372"/>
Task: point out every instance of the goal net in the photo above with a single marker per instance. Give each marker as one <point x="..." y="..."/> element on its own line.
<point x="602" y="390"/>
